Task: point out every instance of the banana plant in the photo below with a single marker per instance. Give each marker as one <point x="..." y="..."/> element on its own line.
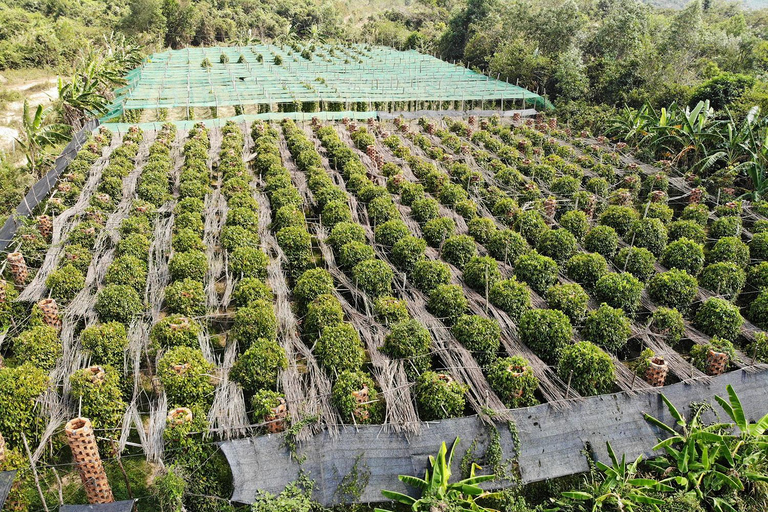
<point x="436" y="489"/>
<point x="37" y="133"/>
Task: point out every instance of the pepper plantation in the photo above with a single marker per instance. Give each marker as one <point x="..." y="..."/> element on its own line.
<point x="186" y="285"/>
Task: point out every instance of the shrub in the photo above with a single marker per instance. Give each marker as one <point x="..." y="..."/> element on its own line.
<point x="339" y="349"/>
<point x="758" y="310"/>
<point x="410" y="341"/>
<point x="175" y="331"/>
<point x="188" y="265"/>
<point x="20" y="387"/>
<point x="620" y="218"/>
<point x="758" y="276"/>
<point x="758" y="349"/>
<point x="511" y="296"/>
<point x="258" y="367"/>
<point x="408" y="251"/>
<point x="80" y="257"/>
<point x="312" y="283"/>
<point x="235" y="237"/>
<point x="254" y="322"/>
<point x="576" y="223"/>
<point x="39" y="346"/>
<point x="99" y="400"/>
<point x="335" y="212"/>
<point x="531" y="225"/>
<point x="698" y="213"/>
<point x="248" y="262"/>
<point x="558" y="244"/>
<point x="687" y="229"/>
<point x="723" y="278"/>
<point x="324" y="311"/>
<point x="649" y="234"/>
<point x="669" y="323"/>
<point x="189" y="205"/>
<point x="250" y="289"/>
<point x="684" y="254"/>
<point x="186" y="377"/>
<point x="571" y="299"/>
<point x="459" y="249"/>
<point x="138" y="225"/>
<point x="620" y="290"/>
<point x="481" y="272"/>
<point x="546" y="332"/>
<point x="481" y="229"/>
<point x="699" y="352"/>
<point x="129" y="271"/>
<point x="374" y="277"/>
<point x="288" y="216"/>
<point x="602" y="240"/>
<point x="428" y="274"/>
<point x="135" y="245"/>
<point x="345" y="232"/>
<point x="65" y="282"/>
<point x="447" y="301"/>
<point x="674" y="288"/>
<point x="637" y="261"/>
<point x="466" y="208"/>
<point x="725" y="226"/>
<point x="343" y="397"/>
<point x="730" y="248"/>
<point x="506" y="245"/>
<point x="513" y="380"/>
<point x="117" y="302"/>
<point x="608" y="327"/>
<point x="186" y="297"/>
<point x="105" y="343"/>
<point x="718" y="317"/>
<point x="188" y="220"/>
<point x="758" y="246"/>
<point x="589" y="370"/>
<point x="186" y="240"/>
<point x="436" y="231"/>
<point x="411" y="192"/>
<point x="243" y="217"/>
<point x="586" y="268"/>
<point x="390" y="310"/>
<point x="479" y="335"/>
<point x="296" y="243"/>
<point x="439" y="397"/>
<point x="539" y="272"/>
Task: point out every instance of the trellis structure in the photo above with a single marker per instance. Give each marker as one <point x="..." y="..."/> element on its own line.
<point x="262" y="79"/>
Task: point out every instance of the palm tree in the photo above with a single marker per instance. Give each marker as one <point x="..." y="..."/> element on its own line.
<point x="37" y="134"/>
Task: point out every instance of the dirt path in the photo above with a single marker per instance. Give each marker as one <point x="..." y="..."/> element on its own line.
<point x="39" y="91"/>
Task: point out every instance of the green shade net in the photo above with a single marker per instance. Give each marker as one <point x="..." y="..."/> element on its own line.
<point x="336" y="77"/>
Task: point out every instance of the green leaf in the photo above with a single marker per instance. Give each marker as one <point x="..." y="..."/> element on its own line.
<point x="578" y="495"/>
<point x="398" y="497"/>
<point x="414" y="481"/>
<point x="756" y="477"/>
<point x="659" y="423"/>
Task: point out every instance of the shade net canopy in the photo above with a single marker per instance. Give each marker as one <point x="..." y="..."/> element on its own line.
<point x="6" y="481"/>
<point x="117" y="506"/>
<point x="321" y="77"/>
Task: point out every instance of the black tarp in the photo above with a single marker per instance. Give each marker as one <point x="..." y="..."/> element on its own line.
<point x="117" y="506"/>
<point x="42" y="188"/>
<point x="6" y="480"/>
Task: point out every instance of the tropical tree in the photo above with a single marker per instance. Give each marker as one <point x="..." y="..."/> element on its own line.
<point x="37" y="133"/>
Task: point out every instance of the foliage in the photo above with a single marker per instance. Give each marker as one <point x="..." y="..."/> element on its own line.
<point x="545" y="331"/>
<point x="438" y="396"/>
<point x="257" y="368"/>
<point x="410" y="341"/>
<point x="589" y="370"/>
<point x="186" y="376"/>
<point x="342" y="397"/>
<point x="511" y="296"/>
<point x="576" y="223"/>
<point x="513" y="380"/>
<point x="723" y="278"/>
<point x="248" y="262"/>
<point x="620" y="290"/>
<point x="175" y="331"/>
<point x="390" y="310"/>
<point x="250" y="289"/>
<point x="99" y="399"/>
<point x="539" y="272"/>
<point x="506" y="245"/>
<point x="374" y="277"/>
<point x="39" y="345"/>
<point x="674" y="288"/>
<point x="669" y="323"/>
<point x="117" y="302"/>
<point x="188" y="265"/>
<point x="429" y="274"/>
<point x="481" y="273"/>
<point x="718" y="317"/>
<point x="324" y="311"/>
<point x="571" y="299"/>
<point x="479" y="335"/>
<point x="758" y="349"/>
<point x="186" y="297"/>
<point x="65" y="282"/>
<point x="408" y="251"/>
<point x="436" y="231"/>
<point x="729" y="248"/>
<point x="254" y="322"/>
<point x="339" y="349"/>
<point x="684" y="254"/>
<point x="650" y="234"/>
<point x="607" y="327"/>
<point x="447" y="302"/>
<point x="558" y="244"/>
<point x="128" y="271"/>
<point x="458" y="250"/>
<point x="388" y="233"/>
<point x="586" y="268"/>
<point x="758" y="310"/>
<point x="20" y="388"/>
<point x="313" y="283"/>
<point x="699" y="353"/>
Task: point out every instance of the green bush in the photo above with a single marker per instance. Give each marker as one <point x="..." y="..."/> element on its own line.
<point x="39" y="346"/>
<point x="390" y="310"/>
<point x="586" y="268"/>
<point x="187" y="377"/>
<point x="758" y="246"/>
<point x="718" y="317"/>
<point x="723" y="278"/>
<point x="684" y="254"/>
<point x="189" y="205"/>
<point x="447" y="302"/>
<point x="428" y="274"/>
<point x="506" y="245"/>
<point x="80" y="257"/>
<point x="20" y="387"/>
<point x="186" y="297"/>
<point x="576" y="223"/>
<point x="390" y="232"/>
<point x="439" y="397"/>
<point x="136" y="245"/>
<point x="296" y="243"/>
<point x="758" y="349"/>
<point x="699" y="352"/>
<point x="264" y="402"/>
<point x="258" y="367"/>
<point x="602" y="240"/>
<point x="513" y="381"/>
<point x="539" y="272"/>
<point x="411" y="192"/>
<point x="254" y="322"/>
<point x="235" y="237"/>
<point x="342" y="397"/>
<point x="649" y="234"/>
<point x="620" y="218"/>
<point x="188" y="265"/>
<point x="459" y="249"/>
<point x="607" y="327"/>
<point x="65" y="282"/>
<point x="558" y="244"/>
<point x="186" y="240"/>
<point x="129" y="271"/>
<point x="324" y="311"/>
<point x="698" y="213"/>
<point x="335" y="212"/>
<point x="531" y="225"/>
<point x="250" y="289"/>
<point x="436" y="231"/>
<point x="511" y="296"/>
<point x="312" y="283"/>
<point x="481" y="229"/>
<point x="479" y="335"/>
<point x="730" y="248"/>
<point x="758" y="276"/>
<point x="99" y="400"/>
<point x="117" y="302"/>
<point x="188" y="220"/>
<point x="620" y="290"/>
<point x="408" y="251"/>
<point x="674" y="288"/>
<point x="725" y="226"/>
<point x="410" y="341"/>
<point x="546" y="331"/>
<point x="345" y="232"/>
<point x="339" y="349"/>
<point x="589" y="370"/>
<point x="138" y="225"/>
<point x="668" y="323"/>
<point x="244" y="217"/>
<point x="105" y="344"/>
<point x="481" y="272"/>
<point x="571" y="299"/>
<point x="248" y="262"/>
<point x="758" y="310"/>
<point x="687" y="229"/>
<point x="637" y="261"/>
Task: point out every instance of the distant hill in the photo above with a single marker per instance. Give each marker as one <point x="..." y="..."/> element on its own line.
<point x="679" y="4"/>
